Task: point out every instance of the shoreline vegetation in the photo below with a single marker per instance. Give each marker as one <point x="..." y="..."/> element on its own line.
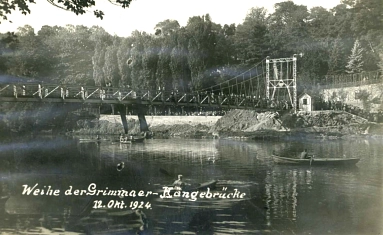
<point x="241" y="124"/>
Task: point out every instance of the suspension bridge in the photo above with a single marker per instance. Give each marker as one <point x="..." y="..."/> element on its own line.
<point x="269" y="85"/>
<point x="260" y="87"/>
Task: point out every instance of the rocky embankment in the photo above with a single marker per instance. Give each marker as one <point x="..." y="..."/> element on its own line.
<point x="242" y="124"/>
<point x="326" y="124"/>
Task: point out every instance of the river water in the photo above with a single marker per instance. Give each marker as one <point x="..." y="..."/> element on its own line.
<point x="277" y="199"/>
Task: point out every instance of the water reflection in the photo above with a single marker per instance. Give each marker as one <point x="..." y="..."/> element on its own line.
<point x="282" y="195"/>
<point x="279" y="199"/>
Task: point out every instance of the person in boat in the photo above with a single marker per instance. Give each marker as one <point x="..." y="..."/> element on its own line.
<point x="123" y="138"/>
<point x="179" y="184"/>
<point x="304" y="154"/>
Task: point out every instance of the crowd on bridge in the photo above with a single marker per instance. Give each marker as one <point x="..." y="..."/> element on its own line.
<point x="229" y="99"/>
<point x="64" y="92"/>
<point x="186" y="112"/>
<point x="216" y="100"/>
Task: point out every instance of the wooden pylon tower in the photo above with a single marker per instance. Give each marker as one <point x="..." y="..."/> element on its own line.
<point x="281" y="74"/>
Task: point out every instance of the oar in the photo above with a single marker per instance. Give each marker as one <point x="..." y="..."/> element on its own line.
<point x="165" y="172"/>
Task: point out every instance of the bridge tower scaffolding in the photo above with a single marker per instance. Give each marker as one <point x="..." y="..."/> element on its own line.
<point x="282" y="77"/>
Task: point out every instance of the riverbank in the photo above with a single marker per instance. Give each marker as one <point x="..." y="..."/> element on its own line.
<point x="317" y="124"/>
<point x="247" y="124"/>
<point x="161" y="126"/>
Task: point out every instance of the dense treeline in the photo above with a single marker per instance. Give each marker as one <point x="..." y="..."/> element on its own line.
<point x="345" y="39"/>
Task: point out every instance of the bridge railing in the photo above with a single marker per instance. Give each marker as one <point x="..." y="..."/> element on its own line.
<point x="348" y="80"/>
<point x="75" y="93"/>
<point x="65" y="92"/>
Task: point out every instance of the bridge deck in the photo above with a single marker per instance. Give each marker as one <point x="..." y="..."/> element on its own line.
<point x="51" y="93"/>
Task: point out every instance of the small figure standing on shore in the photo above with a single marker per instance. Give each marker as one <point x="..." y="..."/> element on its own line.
<point x="304" y="154"/>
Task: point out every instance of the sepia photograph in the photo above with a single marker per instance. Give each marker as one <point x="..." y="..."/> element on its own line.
<point x="191" y="117"/>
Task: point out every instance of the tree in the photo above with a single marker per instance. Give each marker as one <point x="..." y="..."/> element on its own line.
<point x="102" y="40"/>
<point x="123" y="58"/>
<point x="164" y="73"/>
<point x="251" y="37"/>
<point x="166" y="27"/>
<point x="335" y="61"/>
<point x="8" y="42"/>
<point x="201" y="47"/>
<point x="98" y="60"/>
<point x="150" y="61"/>
<point x="367" y="26"/>
<point x="225" y="53"/>
<point x="110" y="69"/>
<point x="27" y="60"/>
<point x="340" y="24"/>
<point x="178" y="62"/>
<point x="75" y="49"/>
<point x="314" y="64"/>
<point x="196" y="64"/>
<point x="320" y="22"/>
<point x="288" y="28"/>
<point x="75" y="6"/>
<point x="355" y="63"/>
<point x="137" y="51"/>
<point x="367" y="15"/>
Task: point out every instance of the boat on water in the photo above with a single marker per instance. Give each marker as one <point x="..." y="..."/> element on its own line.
<point x="198" y="187"/>
<point x="139" y="139"/>
<point x="136" y="139"/>
<point x="209" y="184"/>
<point x="97" y="139"/>
<point x="316" y="161"/>
<point x="132" y="139"/>
<point x="91" y="140"/>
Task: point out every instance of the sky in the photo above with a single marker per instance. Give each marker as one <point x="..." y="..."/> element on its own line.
<point x="143" y="15"/>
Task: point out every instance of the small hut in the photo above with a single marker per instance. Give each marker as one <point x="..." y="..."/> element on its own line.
<point x="306" y="102"/>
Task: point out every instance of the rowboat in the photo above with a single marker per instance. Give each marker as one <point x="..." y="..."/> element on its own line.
<point x="199" y="187"/>
<point x="90" y="140"/>
<point x="138" y="139"/>
<point x="210" y="184"/>
<point x="133" y="139"/>
<point x="316" y="161"/>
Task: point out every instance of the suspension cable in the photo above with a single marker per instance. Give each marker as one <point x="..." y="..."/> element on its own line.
<point x="232" y="79"/>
